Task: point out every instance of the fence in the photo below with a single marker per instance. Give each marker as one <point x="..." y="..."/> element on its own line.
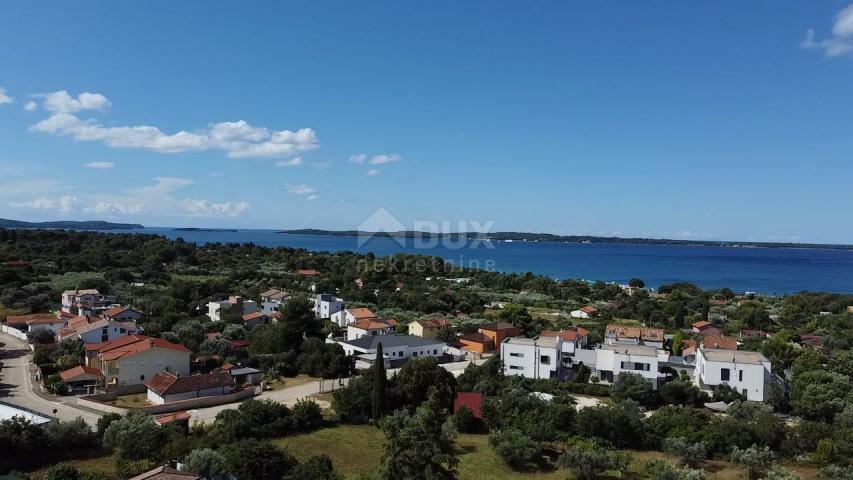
<point x="99" y="402"/>
<point x="13" y="332"/>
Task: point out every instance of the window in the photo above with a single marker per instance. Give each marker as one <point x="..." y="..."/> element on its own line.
<point x="414" y="354"/>
<point x="142" y="377"/>
<point x="515" y="367"/>
<point x="546" y="359"/>
<point x="740" y="375"/>
<point x="435" y="351"/>
<point x="725" y="373"/>
<point x="516" y="354"/>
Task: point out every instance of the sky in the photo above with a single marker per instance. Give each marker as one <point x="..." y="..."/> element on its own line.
<point x="696" y="120"/>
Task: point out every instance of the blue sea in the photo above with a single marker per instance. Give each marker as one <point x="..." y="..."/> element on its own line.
<point x="762" y="270"/>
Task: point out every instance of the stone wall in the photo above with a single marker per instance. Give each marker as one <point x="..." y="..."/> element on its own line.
<point x="100" y="402"/>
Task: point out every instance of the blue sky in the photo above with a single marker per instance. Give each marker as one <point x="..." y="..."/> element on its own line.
<point x="713" y="120"/>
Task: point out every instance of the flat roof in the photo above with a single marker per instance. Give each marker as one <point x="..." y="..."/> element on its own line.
<point x="632" y="349"/>
<point x="371" y="342"/>
<point x="733" y="356"/>
<point x="547" y="342"/>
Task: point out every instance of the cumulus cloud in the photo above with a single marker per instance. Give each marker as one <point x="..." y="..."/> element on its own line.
<point x="293" y="162"/>
<point x="4" y="97"/>
<point x="301" y="190"/>
<point x="31" y="106"/>
<point x="380" y="159"/>
<point x="99" y="165"/>
<point x="238" y="139"/>
<point x="840" y="42"/>
<point x="205" y="208"/>
<point x="63" y="204"/>
<point x="372" y="172"/>
<point x="117" y="207"/>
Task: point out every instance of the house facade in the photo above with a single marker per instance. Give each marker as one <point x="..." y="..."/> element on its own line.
<point x="35" y="321"/>
<point x="272" y="300"/>
<point x="498" y="332"/>
<point x="132" y="359"/>
<point x="394" y="347"/>
<point x="428" y="328"/>
<point x="166" y="387"/>
<point x="369" y="327"/>
<point x="746" y="372"/>
<point x="584" y="312"/>
<point x="326" y="305"/>
<point x="124" y="314"/>
<point x="235" y="304"/>
<point x="104" y="330"/>
<point x="643" y="360"/>
<point x="539" y="357"/>
<point x="347" y="316"/>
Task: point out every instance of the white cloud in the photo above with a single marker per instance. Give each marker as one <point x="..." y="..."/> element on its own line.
<point x="116" y="207"/>
<point x="5" y="98"/>
<point x="67" y="203"/>
<point x="293" y="162"/>
<point x="385" y="158"/>
<point x="31" y="106"/>
<point x="372" y="172"/>
<point x="41" y="203"/>
<point x="358" y="158"/>
<point x="238" y="139"/>
<point x="301" y="190"/>
<point x="99" y="165"/>
<point x="840" y="42"/>
<point x="313" y="197"/>
<point x="205" y="208"/>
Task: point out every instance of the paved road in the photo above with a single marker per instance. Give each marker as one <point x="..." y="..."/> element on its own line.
<point x="16" y="385"/>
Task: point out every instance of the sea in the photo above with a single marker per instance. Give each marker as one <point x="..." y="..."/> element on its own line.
<point x="769" y="271"/>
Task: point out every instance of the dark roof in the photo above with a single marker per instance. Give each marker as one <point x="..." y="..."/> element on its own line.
<point x="497" y="326"/>
<point x="167" y="383"/>
<point x="372" y="342"/>
<point x="476" y="337"/>
<point x="473" y="401"/>
<point x="166" y="473"/>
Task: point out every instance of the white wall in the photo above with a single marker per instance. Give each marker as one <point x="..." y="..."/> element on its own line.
<point x="527" y="360"/>
<point x="747" y="377"/>
<point x="137" y="368"/>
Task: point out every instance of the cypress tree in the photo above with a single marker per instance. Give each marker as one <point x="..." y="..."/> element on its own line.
<point x="379" y="383"/>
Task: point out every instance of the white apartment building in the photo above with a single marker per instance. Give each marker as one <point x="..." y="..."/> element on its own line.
<point x="326" y="305"/>
<point x="540" y="357"/>
<point x="272" y="300"/>
<point x="746" y="372"/>
<point x="236" y="304"/>
<point x="611" y="360"/>
<point x="394" y="347"/>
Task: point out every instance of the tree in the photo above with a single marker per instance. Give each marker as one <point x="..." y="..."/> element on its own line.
<point x="691" y="454"/>
<point x="41" y="335"/>
<point x="252" y="459"/>
<point x="306" y="415"/>
<point x="464" y="421"/>
<point x="756" y="460"/>
<point x="663" y="470"/>
<point x="105" y="422"/>
<point x="819" y="394"/>
<point x="418" y="446"/>
<point x="636" y="283"/>
<point x="418" y="377"/>
<point x="253" y="419"/>
<point x="681" y="392"/>
<point x="590" y="462"/>
<point x="380" y="379"/>
<point x="515" y="448"/>
<point x="136" y="437"/>
<point x="519" y="316"/>
<point x="207" y="463"/>
<point x="631" y="386"/>
<point x="318" y="467"/>
<point x="621" y="425"/>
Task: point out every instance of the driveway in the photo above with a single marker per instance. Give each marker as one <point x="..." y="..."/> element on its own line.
<point x="16" y="385"/>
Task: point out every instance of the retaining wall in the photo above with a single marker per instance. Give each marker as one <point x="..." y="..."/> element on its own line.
<point x="99" y="402"/>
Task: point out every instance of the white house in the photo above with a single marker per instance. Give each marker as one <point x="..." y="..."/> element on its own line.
<point x="369" y="327"/>
<point x="272" y="300"/>
<point x="584" y="312"/>
<point x="235" y="304"/>
<point x="540" y="357"/>
<point x="122" y="314"/>
<point x="35" y="321"/>
<point x="73" y="299"/>
<point x="166" y="387"/>
<point x="326" y="305"/>
<point x="643" y="360"/>
<point x="632" y="335"/>
<point x="394" y="346"/>
<point x="103" y="331"/>
<point x="352" y="315"/>
<point x="746" y="372"/>
<point x="132" y="359"/>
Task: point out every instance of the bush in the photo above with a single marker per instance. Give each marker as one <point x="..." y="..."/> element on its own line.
<point x="518" y="450"/>
<point x="105" y="422"/>
<point x="318" y="467"/>
<point x="691" y="454"/>
<point x="631" y="386"/>
<point x="825" y="452"/>
<point x="61" y="471"/>
<point x="590" y="463"/>
<point x="207" y="463"/>
<point x="465" y="422"/>
<point x="73" y="435"/>
<point x="55" y="385"/>
<point x="835" y="472"/>
<point x="622" y="426"/>
<point x="756" y="460"/>
<point x="778" y="473"/>
<point x="663" y="470"/>
<point x="306" y="415"/>
<point x="257" y="460"/>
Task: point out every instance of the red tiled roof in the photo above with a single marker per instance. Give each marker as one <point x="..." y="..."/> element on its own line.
<point x="369" y="324"/>
<point x="724" y="343"/>
<point x="582" y="332"/>
<point x="643" y="333"/>
<point x="33" y="319"/>
<point x="473" y="401"/>
<point x="588" y="309"/>
<point x="433" y="323"/>
<point x="166" y="473"/>
<point x="362" y="313"/>
<point x="72" y="373"/>
<point x="133" y="344"/>
<point x="167" y="383"/>
<point x="253" y="316"/>
<point x="567" y="336"/>
<point x="172" y="417"/>
<point x="700" y="324"/>
<point x="307" y="272"/>
<point x="239" y="343"/>
<point x="112" y="312"/>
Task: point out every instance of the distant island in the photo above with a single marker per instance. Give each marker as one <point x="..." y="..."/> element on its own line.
<point x="69" y="225"/>
<point x="549" y="237"/>
<point x="197" y="229"/>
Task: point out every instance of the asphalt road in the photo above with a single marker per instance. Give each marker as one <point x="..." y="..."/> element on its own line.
<point x="16" y="385"/>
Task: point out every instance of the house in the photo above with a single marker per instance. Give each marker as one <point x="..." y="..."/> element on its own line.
<point x="273" y="299"/>
<point x="326" y="305"/>
<point x="256" y="319"/>
<point x="369" y="327"/>
<point x="704" y="328"/>
<point x="166" y="387"/>
<point x="122" y="314"/>
<point x="166" y="473"/>
<point x="497" y="332"/>
<point x="573" y="338"/>
<point x="244" y="375"/>
<point x="132" y="359"/>
<point x="235" y="304"/>
<point x="181" y="419"/>
<point x="539" y="357"/>
<point x="352" y="315"/>
<point x="746" y="372"/>
<point x="308" y="272"/>
<point x="428" y="328"/>
<point x="631" y="335"/>
<point x="394" y="347"/>
<point x="720" y="342"/>
<point x="747" y="334"/>
<point x="73" y="299"/>
<point x="96" y="330"/>
<point x="477" y="343"/>
<point x="643" y="360"/>
<point x="35" y="321"/>
<point x="81" y="378"/>
<point x="473" y="401"/>
<point x="584" y="312"/>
